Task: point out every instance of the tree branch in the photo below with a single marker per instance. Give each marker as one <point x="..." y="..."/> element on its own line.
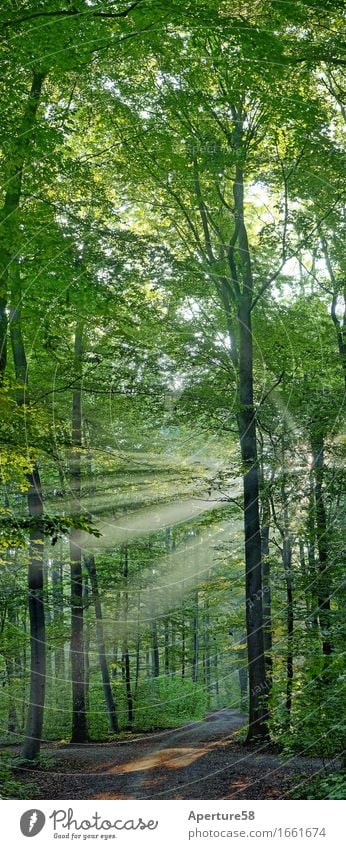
<point x="69" y="13"/>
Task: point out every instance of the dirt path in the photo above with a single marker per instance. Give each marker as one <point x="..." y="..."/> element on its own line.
<point x="202" y="760"/>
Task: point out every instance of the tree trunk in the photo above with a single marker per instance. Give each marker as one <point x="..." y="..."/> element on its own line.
<point x="58" y="617"/>
<point x="253" y="553"/>
<point x="216" y="673"/>
<point x="8" y="222"/>
<point x="86" y="641"/>
<point x="126" y="656"/>
<point x="166" y="645"/>
<point x="107" y="689"/>
<point x="155" y="650"/>
<point x="304" y="572"/>
<point x="138" y="643"/>
<point x="287" y="563"/>
<point x="258" y="685"/>
<point x="323" y="579"/>
<point x="266" y="605"/>
<point x="34" y="722"/>
<point x="195" y="636"/>
<point x="183" y="645"/>
<point x="166" y="620"/>
<point x="79" y="716"/>
<point x="243" y="686"/>
<point x="311" y="544"/>
<point x="138" y="661"/>
<point x="206" y="649"/>
<point x="12" y="721"/>
<point x="24" y="671"/>
<point x="173" y="649"/>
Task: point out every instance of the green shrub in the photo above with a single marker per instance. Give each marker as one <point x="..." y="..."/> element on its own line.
<point x="166" y="702"/>
<point x="324" y="787"/>
<point x="11" y="787"/>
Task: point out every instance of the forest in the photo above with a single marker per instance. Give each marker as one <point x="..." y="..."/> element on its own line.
<point x="172" y="387"/>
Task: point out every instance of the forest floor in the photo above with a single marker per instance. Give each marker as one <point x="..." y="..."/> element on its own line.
<point x="201" y="760"/>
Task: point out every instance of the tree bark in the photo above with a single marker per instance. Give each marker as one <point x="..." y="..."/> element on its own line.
<point x="155" y="648"/>
<point x="267" y="619"/>
<point x="323" y="579"/>
<point x="86" y="641"/>
<point x="12" y="721"/>
<point x="107" y="689"/>
<point x="126" y="656"/>
<point x="166" y="644"/>
<point x="206" y="648"/>
<point x="246" y="420"/>
<point x="266" y="582"/>
<point x="258" y="711"/>
<point x="287" y="564"/>
<point x="195" y="636"/>
<point x="58" y="616"/>
<point x="183" y="638"/>
<point x="79" y="716"/>
<point x="311" y="546"/>
<point x="8" y="223"/>
<point x="34" y="721"/>
<point x="138" y="643"/>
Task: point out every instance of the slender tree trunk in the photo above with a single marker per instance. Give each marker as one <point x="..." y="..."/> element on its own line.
<point x="8" y="223"/>
<point x="173" y="649"/>
<point x="195" y="637"/>
<point x="243" y="686"/>
<point x="86" y="642"/>
<point x="304" y="572"/>
<point x="283" y="527"/>
<point x="311" y="545"/>
<point x="129" y="699"/>
<point x="79" y="715"/>
<point x="323" y="580"/>
<point x="267" y="623"/>
<point x="166" y="645"/>
<point x="155" y="649"/>
<point x="116" y="646"/>
<point x="183" y="635"/>
<point x="25" y="670"/>
<point x="12" y="721"/>
<point x="12" y="664"/>
<point x="216" y="673"/>
<point x="267" y="618"/>
<point x="138" y="643"/>
<point x="58" y="617"/>
<point x="166" y="620"/>
<point x="115" y="663"/>
<point x="107" y="688"/>
<point x="126" y="656"/>
<point x="287" y="564"/>
<point x="339" y="323"/>
<point x="34" y="722"/>
<point x="138" y="661"/>
<point x="206" y="649"/>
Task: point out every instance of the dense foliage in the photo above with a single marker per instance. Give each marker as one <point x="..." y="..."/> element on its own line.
<point x="172" y="369"/>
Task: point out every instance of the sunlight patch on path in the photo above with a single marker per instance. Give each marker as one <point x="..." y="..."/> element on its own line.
<point x="169" y="758"/>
